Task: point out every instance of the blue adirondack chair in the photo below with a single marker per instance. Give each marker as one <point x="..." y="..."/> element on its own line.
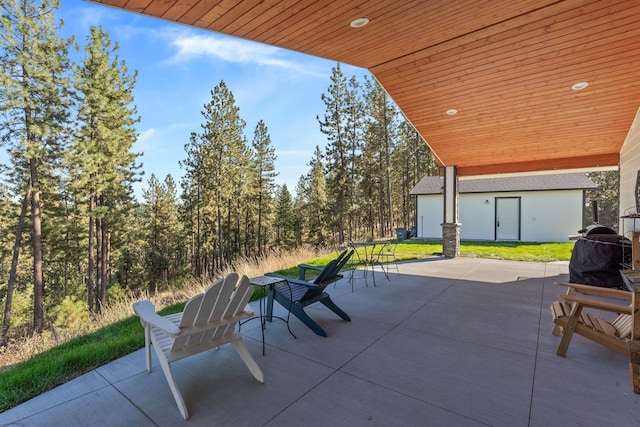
<point x="298" y="293"/>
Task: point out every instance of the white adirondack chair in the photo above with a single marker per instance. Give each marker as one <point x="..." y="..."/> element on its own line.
<point x="208" y="321"/>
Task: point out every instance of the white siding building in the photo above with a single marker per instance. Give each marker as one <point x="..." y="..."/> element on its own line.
<point x="630" y="180"/>
<point x="534" y="208"/>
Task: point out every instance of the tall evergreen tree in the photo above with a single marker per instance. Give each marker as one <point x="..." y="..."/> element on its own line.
<point x="13" y="269"/>
<point x="35" y="106"/>
<point x="285" y="219"/>
<point x="354" y="135"/>
<point x="192" y="185"/>
<point x="102" y="165"/>
<point x="162" y="230"/>
<point x="175" y="230"/>
<point x="316" y="196"/>
<point x="335" y="125"/>
<point x="215" y="172"/>
<point x="380" y="136"/>
<point x="264" y="159"/>
<point x="411" y="159"/>
<point x="300" y="204"/>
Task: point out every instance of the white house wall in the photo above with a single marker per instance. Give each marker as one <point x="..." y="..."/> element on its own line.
<point x="430" y="216"/>
<point x="551" y="216"/>
<point x="477" y="217"/>
<point x="629" y="167"/>
<point x="546" y="216"/>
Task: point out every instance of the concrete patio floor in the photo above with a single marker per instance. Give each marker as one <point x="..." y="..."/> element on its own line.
<point x="448" y="342"/>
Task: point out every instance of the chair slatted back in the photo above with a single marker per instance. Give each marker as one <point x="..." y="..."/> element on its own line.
<point x="326" y="273"/>
<point x="342" y="262"/>
<point x="219" y="302"/>
<point x="332" y="269"/>
<point x="623" y="324"/>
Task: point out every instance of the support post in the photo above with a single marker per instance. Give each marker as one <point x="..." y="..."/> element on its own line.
<point x="451" y="226"/>
<point x="451" y="240"/>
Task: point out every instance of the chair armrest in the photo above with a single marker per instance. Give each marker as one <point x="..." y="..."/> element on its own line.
<point x="597" y="304"/>
<point x="249" y="310"/>
<point x="278" y="275"/>
<point x="302" y="275"/>
<point x="293" y="281"/>
<point x="147" y="313"/>
<point x="598" y="291"/>
<point x="310" y="267"/>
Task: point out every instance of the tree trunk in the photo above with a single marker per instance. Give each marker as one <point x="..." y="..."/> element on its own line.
<point x="260" y="248"/>
<point x="38" y="277"/>
<point x="90" y="258"/>
<point x="98" y="275"/>
<point x="198" y="238"/>
<point x="104" y="264"/>
<point x="66" y="251"/>
<point x="6" y="319"/>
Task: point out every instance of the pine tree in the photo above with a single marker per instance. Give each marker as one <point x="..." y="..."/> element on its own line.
<point x="34" y="104"/>
<point x="380" y="136"/>
<point x="162" y="230"/>
<point x="175" y="230"/>
<point x="285" y="219"/>
<point x="411" y="160"/>
<point x="264" y="159"/>
<point x="216" y="169"/>
<point x="334" y="125"/>
<point x="300" y="204"/>
<point x="13" y="269"/>
<point x="101" y="163"/>
<point x="354" y="135"/>
<point x="317" y="202"/>
<point x="192" y="185"/>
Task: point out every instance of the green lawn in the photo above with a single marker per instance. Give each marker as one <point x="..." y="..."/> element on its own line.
<point x="518" y="251"/>
<point x="72" y="359"/>
<point x="65" y="362"/>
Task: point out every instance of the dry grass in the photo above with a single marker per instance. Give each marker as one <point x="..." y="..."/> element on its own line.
<point x="22" y="348"/>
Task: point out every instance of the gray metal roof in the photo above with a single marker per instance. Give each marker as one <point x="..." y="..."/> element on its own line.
<point x="562" y="181"/>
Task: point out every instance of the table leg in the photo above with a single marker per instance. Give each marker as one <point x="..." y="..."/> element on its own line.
<point x="357" y="263"/>
<point x="289" y="309"/>
<point x="263" y="318"/>
<point x="371" y="261"/>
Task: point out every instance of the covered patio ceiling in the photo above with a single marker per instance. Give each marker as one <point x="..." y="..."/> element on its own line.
<point x="507" y="67"/>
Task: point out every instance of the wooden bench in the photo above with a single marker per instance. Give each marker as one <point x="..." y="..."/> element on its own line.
<point x="622" y="334"/>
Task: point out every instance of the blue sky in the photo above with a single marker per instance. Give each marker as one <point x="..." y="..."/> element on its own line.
<point x="178" y="67"/>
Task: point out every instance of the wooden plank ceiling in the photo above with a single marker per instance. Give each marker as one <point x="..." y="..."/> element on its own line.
<point x="507" y="67"/>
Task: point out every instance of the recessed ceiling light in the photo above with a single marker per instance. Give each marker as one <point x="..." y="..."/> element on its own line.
<point x="360" y="22"/>
<point x="452" y="112"/>
<point x="580" y="85"/>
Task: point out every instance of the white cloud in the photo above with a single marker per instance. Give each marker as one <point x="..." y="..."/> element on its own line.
<point x="236" y="51"/>
<point x="146" y="135"/>
<point x="145" y="140"/>
<point x="82" y="15"/>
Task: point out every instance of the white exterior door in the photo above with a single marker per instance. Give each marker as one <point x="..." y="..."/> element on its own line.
<point x="507" y="218"/>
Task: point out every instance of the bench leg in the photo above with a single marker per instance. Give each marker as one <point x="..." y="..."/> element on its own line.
<point x="568" y="331"/>
<point x="634" y="365"/>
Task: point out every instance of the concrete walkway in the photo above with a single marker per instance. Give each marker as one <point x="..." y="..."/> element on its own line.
<point x="460" y="342"/>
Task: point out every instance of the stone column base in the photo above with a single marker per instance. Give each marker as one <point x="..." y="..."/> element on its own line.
<point x="451" y="239"/>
